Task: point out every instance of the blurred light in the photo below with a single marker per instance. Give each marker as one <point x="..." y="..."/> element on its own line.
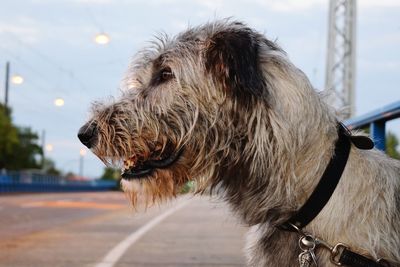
<point x="102" y="38"/>
<point x="49" y="147"/>
<point x="17" y="79"/>
<point x="82" y="152"/>
<point x="59" y="102"/>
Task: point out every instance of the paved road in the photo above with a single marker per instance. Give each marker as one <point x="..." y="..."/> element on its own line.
<point x="102" y="230"/>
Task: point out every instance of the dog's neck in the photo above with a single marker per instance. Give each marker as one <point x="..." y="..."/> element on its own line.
<point x="339" y="221"/>
<point x="327" y="183"/>
<point x="279" y="177"/>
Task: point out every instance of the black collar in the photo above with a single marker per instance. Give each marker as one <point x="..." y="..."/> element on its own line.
<point x="329" y="180"/>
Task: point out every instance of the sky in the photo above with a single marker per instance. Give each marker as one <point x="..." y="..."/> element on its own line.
<point x="51" y="44"/>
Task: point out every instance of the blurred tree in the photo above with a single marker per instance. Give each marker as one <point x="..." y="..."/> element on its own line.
<point x="8" y="136"/>
<point x="110" y="174"/>
<point x="50" y="167"/>
<point x="19" y="147"/>
<point x="392" y="145"/>
<point x="25" y="154"/>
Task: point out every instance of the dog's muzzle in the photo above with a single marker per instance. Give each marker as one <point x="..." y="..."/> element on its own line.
<point x="146" y="168"/>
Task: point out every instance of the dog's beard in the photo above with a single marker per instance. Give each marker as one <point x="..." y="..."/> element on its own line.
<point x="159" y="186"/>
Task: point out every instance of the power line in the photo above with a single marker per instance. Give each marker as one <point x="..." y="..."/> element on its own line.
<point x="39" y="75"/>
<point x="50" y="61"/>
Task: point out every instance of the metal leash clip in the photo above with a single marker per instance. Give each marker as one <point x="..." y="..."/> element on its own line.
<point x="335" y="251"/>
<point x="307" y="244"/>
<point x="307" y="258"/>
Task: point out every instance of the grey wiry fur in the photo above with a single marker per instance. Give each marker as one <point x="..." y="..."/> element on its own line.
<point x="253" y="130"/>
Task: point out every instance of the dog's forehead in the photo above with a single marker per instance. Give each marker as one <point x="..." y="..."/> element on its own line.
<point x="164" y="45"/>
<point x="169" y="49"/>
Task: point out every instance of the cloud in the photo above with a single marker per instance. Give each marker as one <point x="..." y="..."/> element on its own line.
<point x="24" y="28"/>
<point x="91" y="2"/>
<point x="380" y="3"/>
<point x="290" y="5"/>
<point x="274" y="5"/>
<point x="94" y="2"/>
<point x="179" y="25"/>
<point x="213" y="4"/>
<point x="380" y="66"/>
<point x="382" y="41"/>
<point x="296" y="5"/>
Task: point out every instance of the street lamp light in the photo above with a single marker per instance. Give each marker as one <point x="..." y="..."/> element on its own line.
<point x="102" y="38"/>
<point x="59" y="102"/>
<point x="82" y="152"/>
<point x="17" y="79"/>
<point x="49" y="147"/>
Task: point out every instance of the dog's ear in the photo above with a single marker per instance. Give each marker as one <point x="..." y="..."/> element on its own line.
<point x="232" y="57"/>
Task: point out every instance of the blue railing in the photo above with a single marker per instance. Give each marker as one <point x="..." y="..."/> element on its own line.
<point x="36" y="182"/>
<point x="376" y="121"/>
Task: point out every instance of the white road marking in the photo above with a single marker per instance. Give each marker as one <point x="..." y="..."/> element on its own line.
<point x="116" y="253"/>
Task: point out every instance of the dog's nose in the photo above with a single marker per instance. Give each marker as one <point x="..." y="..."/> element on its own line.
<point x="87" y="134"/>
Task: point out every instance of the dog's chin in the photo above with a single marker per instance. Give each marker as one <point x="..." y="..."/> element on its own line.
<point x="145" y="169"/>
<point x="136" y="173"/>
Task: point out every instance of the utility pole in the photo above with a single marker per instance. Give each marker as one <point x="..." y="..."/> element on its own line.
<point x="81" y="165"/>
<point x="7" y="84"/>
<point x="43" y="148"/>
<point x="341" y="63"/>
<point x="3" y="160"/>
<point x="82" y="153"/>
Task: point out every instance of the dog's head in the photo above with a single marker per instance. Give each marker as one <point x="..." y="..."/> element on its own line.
<point x="196" y="106"/>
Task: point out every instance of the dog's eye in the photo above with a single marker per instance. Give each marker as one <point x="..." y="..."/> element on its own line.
<point x="166" y="74"/>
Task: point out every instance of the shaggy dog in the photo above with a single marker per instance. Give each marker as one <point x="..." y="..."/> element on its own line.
<point x="222" y="105"/>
